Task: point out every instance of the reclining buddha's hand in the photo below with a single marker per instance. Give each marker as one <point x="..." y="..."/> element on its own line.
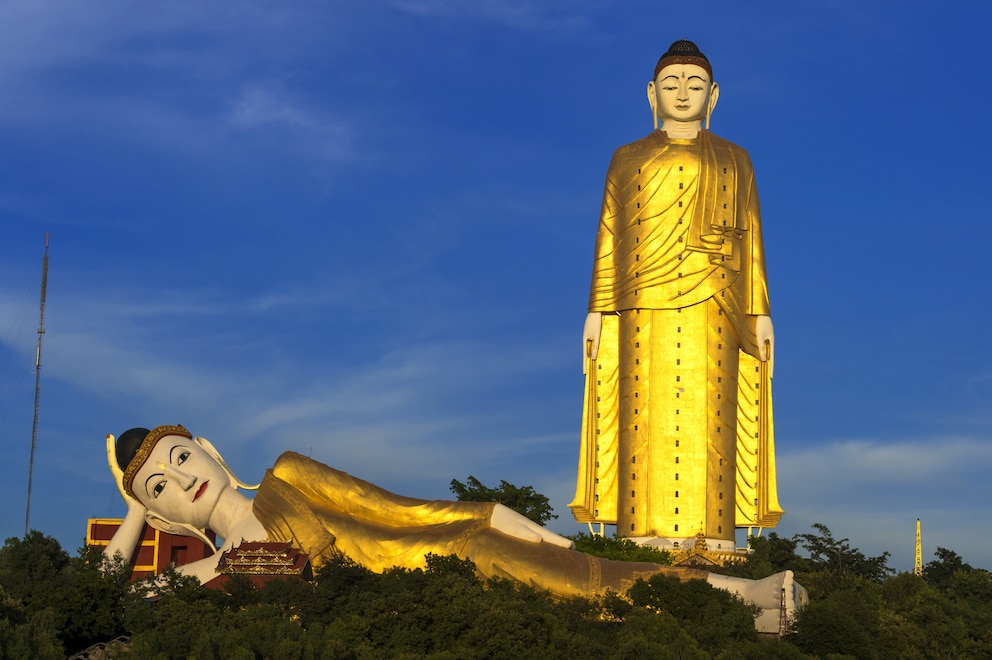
<point x="133" y="505"/>
<point x="125" y="539"/>
<point x="513" y="524"/>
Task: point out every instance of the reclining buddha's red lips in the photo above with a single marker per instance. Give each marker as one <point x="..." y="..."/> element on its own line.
<point x="199" y="491"/>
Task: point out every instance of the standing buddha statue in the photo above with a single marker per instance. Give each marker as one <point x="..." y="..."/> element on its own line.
<point x="677" y="435"/>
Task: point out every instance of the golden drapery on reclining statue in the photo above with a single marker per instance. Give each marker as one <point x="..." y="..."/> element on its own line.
<point x="326" y="511"/>
<point x="677" y="432"/>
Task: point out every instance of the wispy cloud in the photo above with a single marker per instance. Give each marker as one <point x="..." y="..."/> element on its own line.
<point x="39" y="35"/>
<point x="550" y="16"/>
<point x="912" y="462"/>
<point x="201" y="354"/>
<point x="266" y="109"/>
<point x="172" y="77"/>
<point x="873" y="491"/>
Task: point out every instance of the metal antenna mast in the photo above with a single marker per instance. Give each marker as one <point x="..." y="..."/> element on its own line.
<point x="37" y="383"/>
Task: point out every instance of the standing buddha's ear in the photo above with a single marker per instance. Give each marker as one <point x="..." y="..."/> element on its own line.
<point x="653" y="102"/>
<point x="208" y="447"/>
<point x="714" y="95"/>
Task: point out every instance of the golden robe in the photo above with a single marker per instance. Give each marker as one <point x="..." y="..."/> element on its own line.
<point x="677" y="433"/>
<point x="324" y="511"/>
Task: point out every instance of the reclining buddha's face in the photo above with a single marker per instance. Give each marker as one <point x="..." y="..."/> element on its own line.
<point x="180" y="481"/>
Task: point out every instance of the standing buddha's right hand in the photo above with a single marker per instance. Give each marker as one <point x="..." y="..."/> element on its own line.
<point x="590" y="337"/>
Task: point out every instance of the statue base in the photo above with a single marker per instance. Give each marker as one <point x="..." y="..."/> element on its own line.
<point x="695" y="550"/>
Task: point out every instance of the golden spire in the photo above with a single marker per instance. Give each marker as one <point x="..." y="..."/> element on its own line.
<point x="918" y="563"/>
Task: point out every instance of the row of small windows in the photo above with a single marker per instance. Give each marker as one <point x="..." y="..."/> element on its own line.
<point x="719" y="512"/>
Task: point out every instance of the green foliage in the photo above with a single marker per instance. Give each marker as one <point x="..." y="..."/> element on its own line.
<point x="91" y="599"/>
<point x="648" y="634"/>
<point x="768" y="555"/>
<point x="613" y="547"/>
<point x="854" y="613"/>
<point x="971" y="585"/>
<point x="831" y="564"/>
<point x="842" y="624"/>
<point x="939" y="571"/>
<point x="524" y="500"/>
<point x="203" y="629"/>
<point x="52" y="602"/>
<point x="27" y="635"/>
<point x="837" y="558"/>
<point x="445" y="611"/>
<point x="31" y="568"/>
<point x="713" y="617"/>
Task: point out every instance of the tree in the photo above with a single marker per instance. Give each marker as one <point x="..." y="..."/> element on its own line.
<point x="31" y="568"/>
<point x="77" y="601"/>
<point x="713" y="617"/>
<point x="768" y="555"/>
<point x="618" y="548"/>
<point x="839" y="558"/>
<point x="842" y="623"/>
<point x="446" y="611"/>
<point x="939" y="571"/>
<point x="524" y="500"/>
<point x="91" y="599"/>
<point x="27" y="636"/>
<point x="973" y="585"/>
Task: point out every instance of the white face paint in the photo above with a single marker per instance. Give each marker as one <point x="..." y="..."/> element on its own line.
<point x="180" y="482"/>
<point x="681" y="93"/>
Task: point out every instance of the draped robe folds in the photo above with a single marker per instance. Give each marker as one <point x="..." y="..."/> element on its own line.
<point x="677" y="434"/>
<point x="325" y="512"/>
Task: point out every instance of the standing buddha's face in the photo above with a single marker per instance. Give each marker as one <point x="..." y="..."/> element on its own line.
<point x="180" y="482"/>
<point x="681" y="93"/>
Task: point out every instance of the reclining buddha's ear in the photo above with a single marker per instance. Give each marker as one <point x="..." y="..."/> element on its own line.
<point x="208" y="447"/>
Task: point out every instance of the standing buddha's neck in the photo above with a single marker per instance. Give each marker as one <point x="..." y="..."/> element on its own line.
<point x="681" y="130"/>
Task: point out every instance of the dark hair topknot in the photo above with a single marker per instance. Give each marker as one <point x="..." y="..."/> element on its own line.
<point x="127" y="445"/>
<point x="683" y="51"/>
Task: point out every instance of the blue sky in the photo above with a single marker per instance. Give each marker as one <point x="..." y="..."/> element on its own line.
<point x="364" y="231"/>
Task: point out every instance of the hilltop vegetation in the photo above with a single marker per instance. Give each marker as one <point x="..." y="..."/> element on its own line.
<point x="52" y="604"/>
